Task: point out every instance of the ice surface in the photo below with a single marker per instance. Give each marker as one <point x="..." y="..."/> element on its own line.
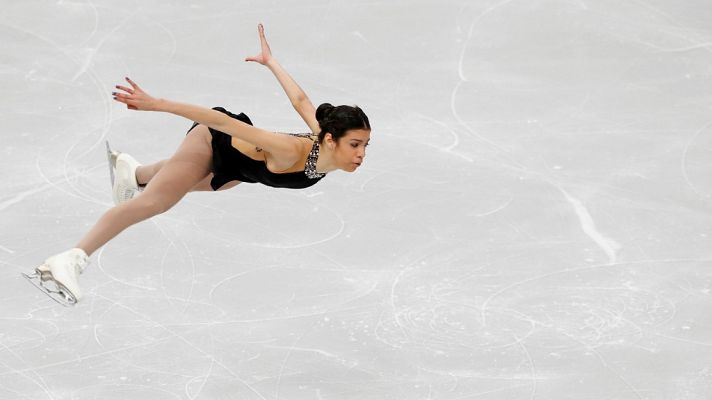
<point x="533" y="221"/>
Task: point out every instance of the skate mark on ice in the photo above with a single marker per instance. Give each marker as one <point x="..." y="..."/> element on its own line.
<point x="609" y="246"/>
<point x="683" y="163"/>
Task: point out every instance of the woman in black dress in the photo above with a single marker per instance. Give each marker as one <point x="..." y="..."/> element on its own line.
<point x="220" y="150"/>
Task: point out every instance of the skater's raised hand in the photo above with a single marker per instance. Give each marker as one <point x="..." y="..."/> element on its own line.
<point x="134" y="97"/>
<point x="266" y="54"/>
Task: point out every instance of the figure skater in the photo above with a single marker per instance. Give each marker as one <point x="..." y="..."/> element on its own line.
<point x="219" y="151"/>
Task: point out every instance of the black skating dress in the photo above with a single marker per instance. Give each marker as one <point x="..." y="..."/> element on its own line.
<point x="229" y="164"/>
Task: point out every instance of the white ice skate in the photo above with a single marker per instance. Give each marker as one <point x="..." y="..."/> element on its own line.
<point x="122" y="171"/>
<point x="58" y="276"/>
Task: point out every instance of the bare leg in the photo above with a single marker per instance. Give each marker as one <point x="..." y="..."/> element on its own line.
<point x="145" y="173"/>
<point x="204" y="185"/>
<point x="189" y="166"/>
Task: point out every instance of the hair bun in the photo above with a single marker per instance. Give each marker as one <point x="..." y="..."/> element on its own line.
<point x="337" y="121"/>
<point x="323" y="111"/>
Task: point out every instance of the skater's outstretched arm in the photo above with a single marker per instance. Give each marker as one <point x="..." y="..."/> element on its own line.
<point x="296" y="95"/>
<point x="286" y="148"/>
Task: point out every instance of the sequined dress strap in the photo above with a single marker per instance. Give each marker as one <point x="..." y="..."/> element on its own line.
<point x="310" y="166"/>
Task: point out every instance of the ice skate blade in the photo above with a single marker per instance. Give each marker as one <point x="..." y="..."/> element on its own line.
<point x="44" y="282"/>
<point x="111" y="157"/>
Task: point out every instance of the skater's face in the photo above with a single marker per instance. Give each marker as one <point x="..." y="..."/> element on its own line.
<point x="350" y="149"/>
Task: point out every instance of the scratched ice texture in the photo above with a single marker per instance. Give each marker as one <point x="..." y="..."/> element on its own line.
<point x="533" y="221"/>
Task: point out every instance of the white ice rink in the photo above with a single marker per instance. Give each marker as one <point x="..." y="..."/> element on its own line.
<point x="533" y="220"/>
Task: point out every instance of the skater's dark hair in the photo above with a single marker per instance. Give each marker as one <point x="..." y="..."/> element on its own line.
<point x="337" y="120"/>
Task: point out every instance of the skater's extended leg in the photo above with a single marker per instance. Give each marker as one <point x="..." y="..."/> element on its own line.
<point x="189" y="166"/>
<point x="58" y="275"/>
